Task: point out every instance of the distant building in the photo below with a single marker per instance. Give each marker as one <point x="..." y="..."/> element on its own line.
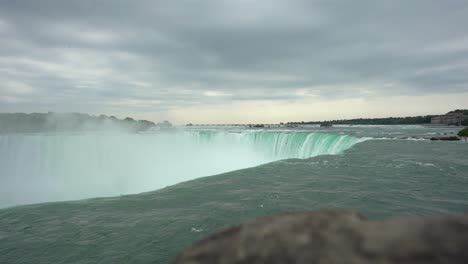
<point x="455" y="119"/>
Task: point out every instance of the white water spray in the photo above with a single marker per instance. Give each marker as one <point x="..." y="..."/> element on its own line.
<point x="54" y="167"/>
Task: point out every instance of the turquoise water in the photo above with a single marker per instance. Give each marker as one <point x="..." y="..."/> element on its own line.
<point x="58" y="167"/>
<point x="383" y="174"/>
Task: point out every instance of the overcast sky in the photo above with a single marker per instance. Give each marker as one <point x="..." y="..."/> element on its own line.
<point x="234" y="61"/>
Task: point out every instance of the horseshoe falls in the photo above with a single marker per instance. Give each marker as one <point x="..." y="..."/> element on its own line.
<point x="68" y="166"/>
<point x="381" y="171"/>
<point x="283" y="145"/>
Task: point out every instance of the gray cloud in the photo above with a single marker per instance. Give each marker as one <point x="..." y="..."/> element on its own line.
<point x="148" y="56"/>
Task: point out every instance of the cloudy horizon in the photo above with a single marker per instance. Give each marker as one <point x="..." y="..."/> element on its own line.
<point x="218" y="61"/>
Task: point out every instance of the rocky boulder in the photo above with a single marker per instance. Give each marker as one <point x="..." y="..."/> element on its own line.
<point x="335" y="236"/>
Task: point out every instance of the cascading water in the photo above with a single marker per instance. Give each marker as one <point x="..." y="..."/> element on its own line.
<point x="53" y="167"/>
<point x="283" y="145"/>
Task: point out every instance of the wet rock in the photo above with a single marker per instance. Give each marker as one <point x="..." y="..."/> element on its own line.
<point x="335" y="236"/>
<point x="451" y="138"/>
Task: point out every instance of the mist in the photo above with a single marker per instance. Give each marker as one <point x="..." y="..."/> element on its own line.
<point x="72" y="122"/>
<point x="44" y="167"/>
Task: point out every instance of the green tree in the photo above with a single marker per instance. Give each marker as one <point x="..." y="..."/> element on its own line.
<point x="463" y="132"/>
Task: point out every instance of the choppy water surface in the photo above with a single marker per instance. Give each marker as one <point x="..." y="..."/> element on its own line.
<point x="378" y="177"/>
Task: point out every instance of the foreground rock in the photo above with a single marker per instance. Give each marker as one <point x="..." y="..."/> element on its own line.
<point x="335" y="236"/>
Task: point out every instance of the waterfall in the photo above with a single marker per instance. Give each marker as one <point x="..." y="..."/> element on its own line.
<point x="60" y="166"/>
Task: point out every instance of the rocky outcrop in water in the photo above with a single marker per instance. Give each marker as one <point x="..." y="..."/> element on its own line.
<point x="450" y="138"/>
<point x="335" y="236"/>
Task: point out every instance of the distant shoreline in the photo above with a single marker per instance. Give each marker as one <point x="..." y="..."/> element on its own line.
<point x="410" y="120"/>
<point x="72" y="122"/>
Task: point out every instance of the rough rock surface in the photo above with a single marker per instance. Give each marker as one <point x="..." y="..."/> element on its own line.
<point x="335" y="236"/>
